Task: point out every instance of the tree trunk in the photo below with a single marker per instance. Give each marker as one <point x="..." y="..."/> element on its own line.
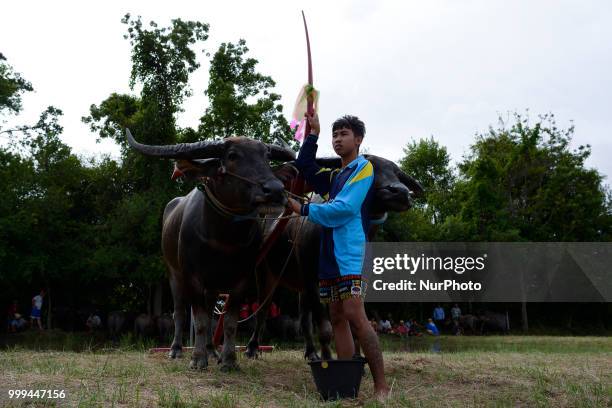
<point x="149" y="300"/>
<point x="524" y="319"/>
<point x="49" y="308"/>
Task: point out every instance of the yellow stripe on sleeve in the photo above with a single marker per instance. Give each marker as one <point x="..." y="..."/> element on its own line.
<point x="366" y="172"/>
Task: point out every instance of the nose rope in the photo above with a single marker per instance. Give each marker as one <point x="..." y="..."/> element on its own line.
<point x="238" y="214"/>
<point x="257" y="183"/>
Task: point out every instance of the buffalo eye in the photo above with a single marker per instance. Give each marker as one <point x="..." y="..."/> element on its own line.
<point x="232" y="156"/>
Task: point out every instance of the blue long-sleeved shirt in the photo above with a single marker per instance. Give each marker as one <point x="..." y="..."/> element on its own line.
<point x="344" y="217"/>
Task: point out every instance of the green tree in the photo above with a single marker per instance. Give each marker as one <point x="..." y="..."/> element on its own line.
<point x="523" y="182"/>
<point x="429" y="163"/>
<point x="162" y="60"/>
<point x="241" y="101"/>
<point x="12" y="86"/>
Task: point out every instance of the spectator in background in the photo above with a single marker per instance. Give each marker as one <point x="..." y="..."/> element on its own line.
<point x="15" y="322"/>
<point x="455" y="316"/>
<point x="10" y="315"/>
<point x="274" y="311"/>
<point x="431" y="328"/>
<point x="18" y="323"/>
<point x="374" y="325"/>
<point x="254" y="307"/>
<point x="401" y="329"/>
<point x="438" y="314"/>
<point x="37" y="304"/>
<point x="93" y="322"/>
<point x="244" y="311"/>
<point x="455" y="313"/>
<point x="413" y="329"/>
<point x="385" y="326"/>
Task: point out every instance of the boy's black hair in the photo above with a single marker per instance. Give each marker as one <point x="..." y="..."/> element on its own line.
<point x="350" y="122"/>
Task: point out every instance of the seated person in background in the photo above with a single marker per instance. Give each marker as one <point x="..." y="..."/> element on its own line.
<point x="385" y="326"/>
<point x="374" y="325"/>
<point x="401" y="329"/>
<point x="254" y="307"/>
<point x="274" y="311"/>
<point x="93" y="322"/>
<point x="18" y="323"/>
<point x="244" y="311"/>
<point x="431" y="328"/>
<point x="10" y="315"/>
<point x="414" y="330"/>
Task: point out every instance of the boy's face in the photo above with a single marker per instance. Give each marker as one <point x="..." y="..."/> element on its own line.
<point x="345" y="142"/>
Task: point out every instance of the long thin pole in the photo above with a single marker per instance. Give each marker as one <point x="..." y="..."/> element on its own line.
<point x="309" y="105"/>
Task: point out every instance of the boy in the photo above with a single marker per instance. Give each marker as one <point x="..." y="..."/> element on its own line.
<point x="344" y="218"/>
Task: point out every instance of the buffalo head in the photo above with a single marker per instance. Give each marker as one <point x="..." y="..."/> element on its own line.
<point x="393" y="189"/>
<point x="239" y="168"/>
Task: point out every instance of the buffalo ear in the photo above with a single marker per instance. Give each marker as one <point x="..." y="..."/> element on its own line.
<point x="195" y="169"/>
<point x="285" y="172"/>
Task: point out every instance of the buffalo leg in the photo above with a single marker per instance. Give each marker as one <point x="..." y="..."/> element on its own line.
<point x="199" y="358"/>
<point x="228" y="354"/>
<point x="230" y="325"/>
<point x="325" y="328"/>
<point x="176" y="349"/>
<point x="263" y="292"/>
<point x="210" y="347"/>
<point x="311" y="308"/>
<point x="256" y="338"/>
<point x="306" y="325"/>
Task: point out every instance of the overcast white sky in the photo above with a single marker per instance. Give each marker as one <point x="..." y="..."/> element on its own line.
<point x="409" y="69"/>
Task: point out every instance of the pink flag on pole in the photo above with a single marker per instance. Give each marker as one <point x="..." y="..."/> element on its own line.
<point x="301" y="105"/>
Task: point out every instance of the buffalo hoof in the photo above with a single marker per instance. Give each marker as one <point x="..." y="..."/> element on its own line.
<point x="312" y="356"/>
<point x="175" y="353"/>
<point x="214" y="354"/>
<point x="252" y="353"/>
<point x="230" y="367"/>
<point x="199" y="363"/>
<point x="327" y="355"/>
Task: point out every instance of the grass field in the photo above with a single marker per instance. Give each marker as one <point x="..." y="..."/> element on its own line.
<point x="467" y="371"/>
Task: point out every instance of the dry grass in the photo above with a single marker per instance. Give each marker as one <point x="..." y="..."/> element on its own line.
<point x="560" y="377"/>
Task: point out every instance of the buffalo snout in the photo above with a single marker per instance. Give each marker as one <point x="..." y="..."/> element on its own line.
<point x="273" y="192"/>
<point x="394" y="197"/>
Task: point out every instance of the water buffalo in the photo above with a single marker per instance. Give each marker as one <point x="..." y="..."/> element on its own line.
<point x="164" y="326"/>
<point x="469" y="324"/>
<point x="211" y="236"/>
<point x="492" y="322"/>
<point x="144" y="325"/>
<point x="393" y="190"/>
<point x="117" y="322"/>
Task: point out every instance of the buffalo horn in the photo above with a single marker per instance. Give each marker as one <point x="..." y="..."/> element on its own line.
<point x="330" y="162"/>
<point x="197" y="150"/>
<point x="280" y="153"/>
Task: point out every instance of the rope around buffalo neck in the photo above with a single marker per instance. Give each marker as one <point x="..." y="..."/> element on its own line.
<point x="293" y="245"/>
<point x="235" y="213"/>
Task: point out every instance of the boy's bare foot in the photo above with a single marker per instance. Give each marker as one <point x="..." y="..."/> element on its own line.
<point x="382" y="393"/>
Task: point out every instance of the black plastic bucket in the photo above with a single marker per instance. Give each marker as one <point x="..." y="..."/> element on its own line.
<point x="337" y="378"/>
